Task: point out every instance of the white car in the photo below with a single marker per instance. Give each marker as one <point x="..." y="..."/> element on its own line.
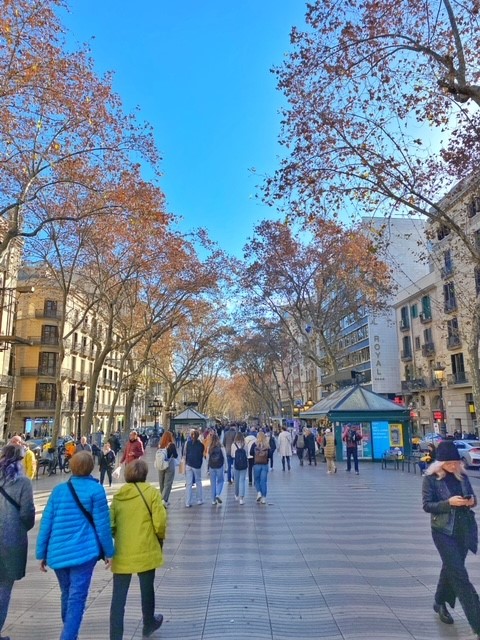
<point x="469" y="451"/>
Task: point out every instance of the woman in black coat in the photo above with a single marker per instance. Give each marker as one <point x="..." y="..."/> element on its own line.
<point x="17" y="516"/>
<point x="448" y="496"/>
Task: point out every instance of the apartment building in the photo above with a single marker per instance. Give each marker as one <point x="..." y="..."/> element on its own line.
<point x="434" y="319"/>
<point x="367" y="349"/>
<point x="60" y="336"/>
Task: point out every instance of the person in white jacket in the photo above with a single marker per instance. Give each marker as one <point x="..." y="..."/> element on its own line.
<point x="285" y="447"/>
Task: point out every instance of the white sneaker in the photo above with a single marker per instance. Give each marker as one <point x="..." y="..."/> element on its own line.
<point x="214" y="502"/>
<point x="263" y="500"/>
<point x="329" y="472"/>
<point x="241" y="501"/>
<point x="201" y="502"/>
<point x="236" y="497"/>
<point x="259" y="495"/>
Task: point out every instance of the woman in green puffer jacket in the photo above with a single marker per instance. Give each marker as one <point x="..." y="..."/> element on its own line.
<point x="138" y="520"/>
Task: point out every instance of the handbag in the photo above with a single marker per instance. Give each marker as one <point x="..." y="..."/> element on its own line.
<point x="182" y="466"/>
<point x="88" y="516"/>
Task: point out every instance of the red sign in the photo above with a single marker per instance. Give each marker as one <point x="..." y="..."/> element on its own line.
<point x="399" y="400"/>
<point x="438" y="415"/>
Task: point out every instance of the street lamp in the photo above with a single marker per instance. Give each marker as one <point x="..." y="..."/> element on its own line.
<point x="439" y="373"/>
<point x="156" y="405"/>
<point x="80" y="395"/>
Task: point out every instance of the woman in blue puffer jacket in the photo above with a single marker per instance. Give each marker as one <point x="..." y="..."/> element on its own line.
<point x="70" y="543"/>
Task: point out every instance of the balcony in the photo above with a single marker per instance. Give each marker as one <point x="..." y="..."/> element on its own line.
<point x="45" y="372"/>
<point x="406" y="355"/>
<point x="446" y="271"/>
<point x="450" y="305"/>
<point x="416" y="384"/>
<point x="76" y="347"/>
<point x="425" y="317"/>
<point x="428" y="349"/>
<point x="51" y="314"/>
<point x="43" y="405"/>
<point x="404" y="325"/>
<point x="457" y="378"/>
<point x="6" y="382"/>
<point x="454" y="342"/>
<point x="51" y="341"/>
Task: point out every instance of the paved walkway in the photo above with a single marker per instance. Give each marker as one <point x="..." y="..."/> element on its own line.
<point x="333" y="557"/>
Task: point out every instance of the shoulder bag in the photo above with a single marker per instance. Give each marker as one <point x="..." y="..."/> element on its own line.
<point x="9" y="499"/>
<point x="88" y="516"/>
<point x="150" y="512"/>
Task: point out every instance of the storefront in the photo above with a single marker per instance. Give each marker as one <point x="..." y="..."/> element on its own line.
<point x="383" y="425"/>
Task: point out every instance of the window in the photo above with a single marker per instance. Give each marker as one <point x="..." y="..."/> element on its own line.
<point x="477" y="280"/>
<point x="427" y="336"/>
<point x="458" y="368"/>
<point x="49" y="334"/>
<point x="473" y="207"/>
<point x="417" y="343"/>
<point x="404" y="321"/>
<point x="426" y="313"/>
<point x="46" y="392"/>
<point x="406" y="347"/>
<point x="47" y="365"/>
<point x="50" y="308"/>
<point x="447" y="268"/>
<point x="442" y="232"/>
<point x="450" y="302"/>
<point x="414" y="311"/>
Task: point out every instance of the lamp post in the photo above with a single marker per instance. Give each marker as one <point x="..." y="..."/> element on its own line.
<point x="156" y="405"/>
<point x="80" y="395"/>
<point x="439" y="373"/>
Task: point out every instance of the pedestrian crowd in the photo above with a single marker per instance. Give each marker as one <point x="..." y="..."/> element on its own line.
<point x="78" y="528"/>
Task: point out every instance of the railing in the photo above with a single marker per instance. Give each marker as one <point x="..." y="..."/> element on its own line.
<point x="76" y="346"/>
<point x="457" y="378"/>
<point x="404" y="325"/>
<point x="48" y="372"/>
<point x="53" y="314"/>
<point x="450" y="305"/>
<point x="6" y="381"/>
<point x="44" y="405"/>
<point x="406" y="355"/>
<point x="428" y="349"/>
<point x="413" y="385"/>
<point x="425" y="317"/>
<point x="446" y="271"/>
<point x="453" y="342"/>
<point x="52" y="341"/>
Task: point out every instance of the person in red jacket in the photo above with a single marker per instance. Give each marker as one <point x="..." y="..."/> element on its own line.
<point x="133" y="449"/>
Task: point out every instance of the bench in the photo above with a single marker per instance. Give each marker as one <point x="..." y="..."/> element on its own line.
<point x="389" y="457"/>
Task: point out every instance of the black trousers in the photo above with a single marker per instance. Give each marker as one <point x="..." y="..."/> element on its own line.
<point x="121" y="584"/>
<point x="352" y="452"/>
<point x="250" y="470"/>
<point x="454" y="581"/>
<point x="108" y="471"/>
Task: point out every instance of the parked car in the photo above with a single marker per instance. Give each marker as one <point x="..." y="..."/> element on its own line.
<point x="469" y="451"/>
<point x="428" y="438"/>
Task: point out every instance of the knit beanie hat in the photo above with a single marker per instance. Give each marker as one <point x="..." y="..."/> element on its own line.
<point x="447" y="452"/>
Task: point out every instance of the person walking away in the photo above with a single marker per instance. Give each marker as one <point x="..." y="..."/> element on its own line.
<point x="167" y="454"/>
<point x="17" y="517"/>
<point x="285" y="447"/>
<point x="228" y="439"/>
<point x="249" y="441"/>
<point x="310" y="446"/>
<point x="351" y="437"/>
<point x="329" y="450"/>
<point x="260" y="450"/>
<point x="299" y="445"/>
<point x="29" y="462"/>
<point x="133" y="449"/>
<point x="273" y="446"/>
<point x="74" y="533"/>
<point x="216" y="466"/>
<point x="138" y="520"/>
<point x="448" y="496"/>
<point x="240" y="462"/>
<point x="106" y="463"/>
<point x="193" y="470"/>
<point x="114" y="442"/>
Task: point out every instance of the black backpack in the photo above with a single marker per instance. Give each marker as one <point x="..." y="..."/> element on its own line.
<point x="241" y="461"/>
<point x="215" y="459"/>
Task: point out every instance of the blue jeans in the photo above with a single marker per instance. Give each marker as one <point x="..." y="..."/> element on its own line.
<point x="193" y="475"/>
<point x="352" y="452"/>
<point x="6" y="586"/>
<point x="240" y="476"/>
<point x="260" y="473"/>
<point x="229" y="467"/>
<point x="217" y="478"/>
<point x="74" y="584"/>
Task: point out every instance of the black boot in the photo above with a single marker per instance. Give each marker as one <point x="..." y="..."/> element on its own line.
<point x="153" y="626"/>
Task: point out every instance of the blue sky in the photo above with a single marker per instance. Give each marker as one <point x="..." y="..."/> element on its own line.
<point x="199" y="71"/>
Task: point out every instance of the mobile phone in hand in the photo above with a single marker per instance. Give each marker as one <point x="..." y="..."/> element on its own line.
<point x="467" y="497"/>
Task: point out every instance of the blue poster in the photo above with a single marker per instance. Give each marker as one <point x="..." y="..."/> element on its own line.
<point x="380" y="438"/>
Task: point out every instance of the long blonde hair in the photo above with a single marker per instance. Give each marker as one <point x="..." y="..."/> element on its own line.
<point x="437" y="469"/>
